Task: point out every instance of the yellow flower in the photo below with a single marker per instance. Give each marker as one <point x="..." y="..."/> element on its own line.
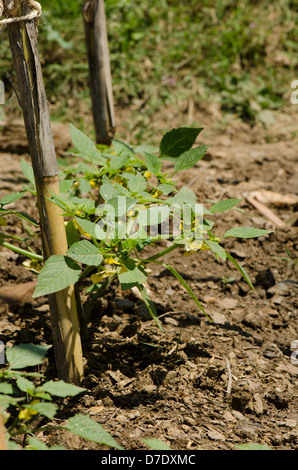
<point x="79" y="213"/>
<point x="147" y="175"/>
<point x="111" y="261"/>
<point x="26" y="413"/>
<point x="192" y="247"/>
<point x="129" y="169"/>
<point x="205" y="247"/>
<point x="93" y="183"/>
<point x="33" y="265"/>
<point x="98" y="277"/>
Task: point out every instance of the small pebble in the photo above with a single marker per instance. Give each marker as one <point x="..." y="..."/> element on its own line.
<point x="291" y="423"/>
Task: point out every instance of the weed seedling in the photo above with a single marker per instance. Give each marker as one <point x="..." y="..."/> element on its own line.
<point x="29" y="404"/>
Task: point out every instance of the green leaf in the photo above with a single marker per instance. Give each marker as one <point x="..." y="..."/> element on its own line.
<point x="207" y="224"/>
<point x="36" y="444"/>
<point x="87" y="170"/>
<point x="12" y="445"/>
<point x="71" y="233"/>
<point x="184" y="196"/>
<point x="246" y="232"/>
<point x="85" y="252"/>
<point x="165" y="188"/>
<point x="119" y="161"/>
<point x="156" y="444"/>
<point x="12" y="373"/>
<point x="153" y="163"/>
<point x="7" y="400"/>
<point x="189" y="158"/>
<point x="122" y="149"/>
<point x="65" y="185"/>
<point x="186" y="287"/>
<point x="217" y="249"/>
<point x="85" y="186"/>
<point x="137" y="183"/>
<point x="12" y="197"/>
<point x="107" y="191"/>
<point x="85" y="145"/>
<point x="128" y="245"/>
<point x="241" y="270"/>
<point x="61" y="389"/>
<point x="99" y="160"/>
<point x="48" y="410"/>
<point x="122" y="190"/>
<point x="143" y="149"/>
<point x="63" y="202"/>
<point x="26" y="355"/>
<point x="144" y="197"/>
<point x="6" y="388"/>
<point x="84" y="204"/>
<point x="87" y="428"/>
<point x="28" y="171"/>
<point x="25" y="385"/>
<point x="225" y="205"/>
<point x="57" y="273"/>
<point x="90" y="228"/>
<point x="150" y="305"/>
<point x="177" y="141"/>
<point x="119" y="206"/>
<point x="130" y="274"/>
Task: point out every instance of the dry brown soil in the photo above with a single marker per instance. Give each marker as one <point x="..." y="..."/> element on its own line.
<point x="199" y="384"/>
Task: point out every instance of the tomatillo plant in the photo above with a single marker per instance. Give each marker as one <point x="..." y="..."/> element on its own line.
<point x="116" y="201"/>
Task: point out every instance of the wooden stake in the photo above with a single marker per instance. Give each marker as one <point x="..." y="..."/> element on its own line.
<point x="64" y="318"/>
<point x="99" y="70"/>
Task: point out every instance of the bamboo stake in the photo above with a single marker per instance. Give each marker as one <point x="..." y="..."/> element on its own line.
<point x="3" y="444"/>
<point x="64" y="318"/>
<point x="99" y="70"/>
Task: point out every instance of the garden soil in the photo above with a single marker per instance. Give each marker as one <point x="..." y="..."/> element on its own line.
<point x="201" y="383"/>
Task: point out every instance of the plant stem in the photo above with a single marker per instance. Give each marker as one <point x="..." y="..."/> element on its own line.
<point x="22" y="216"/>
<point x="89" y="303"/>
<point x="21" y="251"/>
<point x="13" y="425"/>
<point x="84" y="274"/>
<point x="160" y="254"/>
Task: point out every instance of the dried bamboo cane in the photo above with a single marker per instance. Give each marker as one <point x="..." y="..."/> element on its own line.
<point x="99" y="70"/>
<point x="64" y="318"/>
